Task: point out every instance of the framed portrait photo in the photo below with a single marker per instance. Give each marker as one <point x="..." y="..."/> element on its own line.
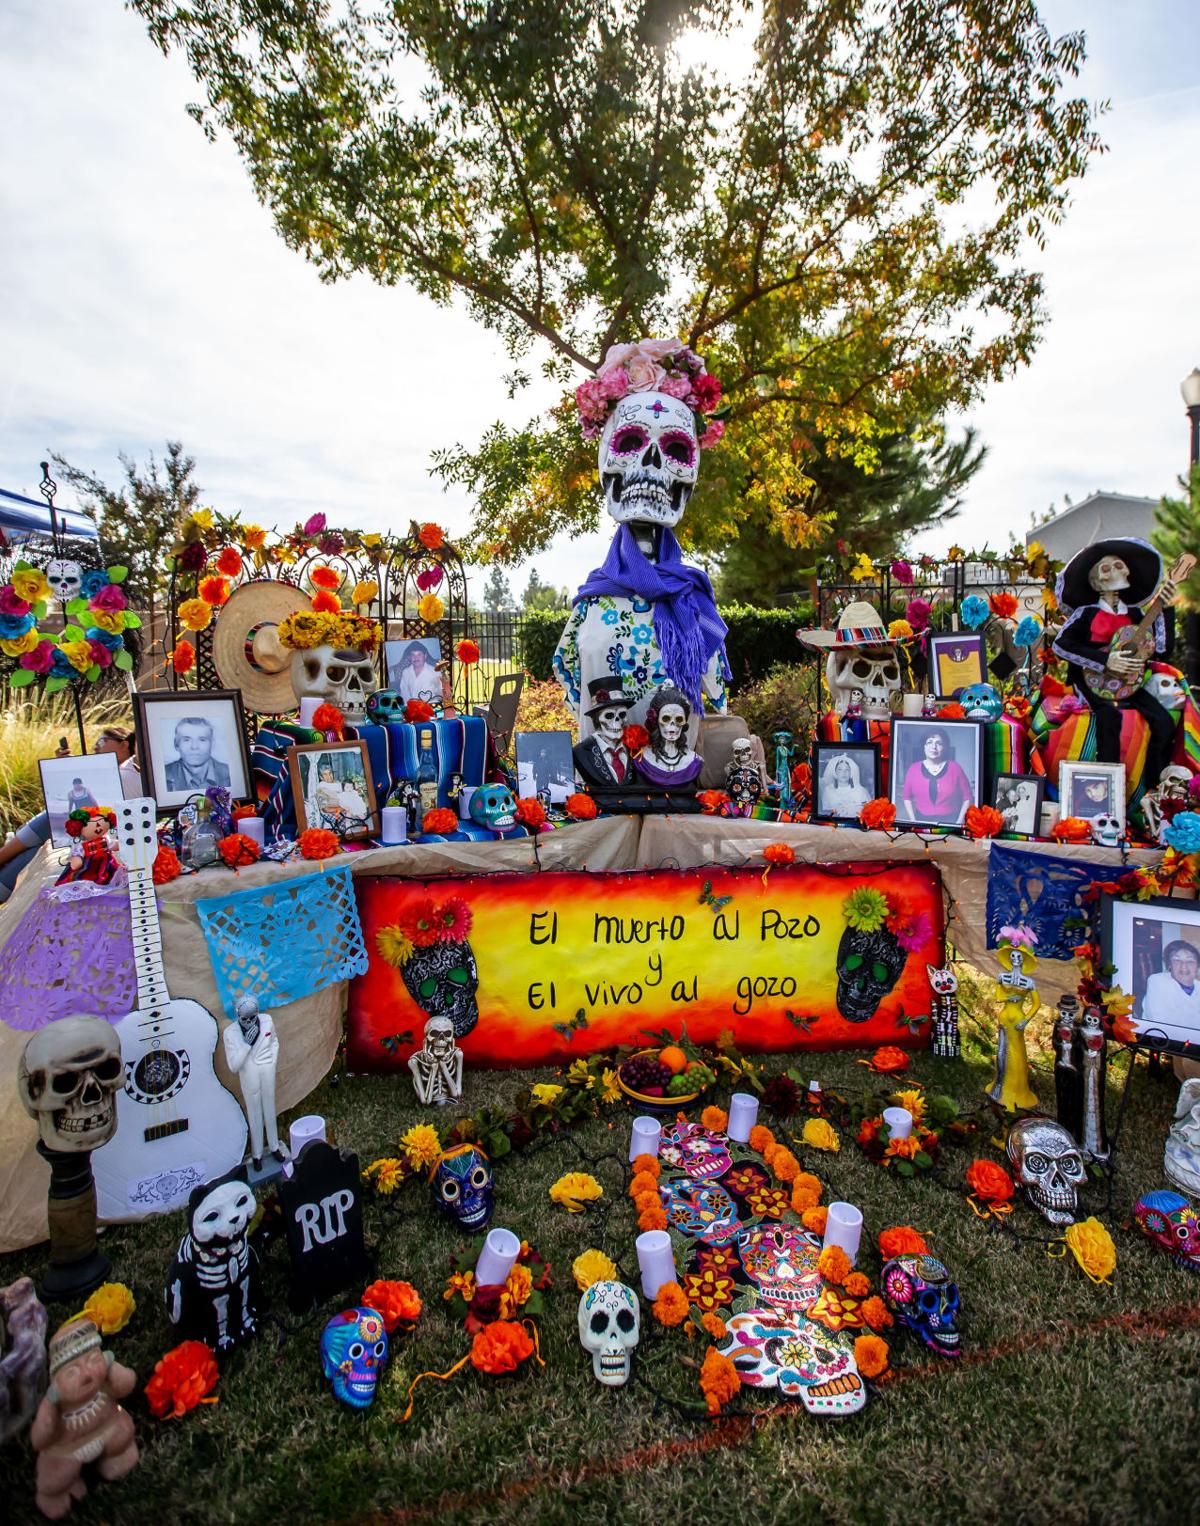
<point x="190" y="742"/>
<point x="333" y="789"/>
<point x="1019" y="799"/>
<point x="1154" y="949"/>
<point x="1088" y="790"/>
<point x="410" y="668"/>
<point x="845" y="776"/>
<point x="72" y="784"/>
<point x="936" y="771"/>
<point x="545" y="765"/>
<point x="956" y="659"/>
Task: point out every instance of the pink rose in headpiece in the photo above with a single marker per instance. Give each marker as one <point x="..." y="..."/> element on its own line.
<point x="40" y="659"/>
<point x="712" y="434"/>
<point x="676" y="386"/>
<point x="11" y="602"/>
<point x="614" y="384"/>
<point x="645" y="374"/>
<point x="707" y="391"/>
<point x="109" y="598"/>
<point x="617" y="355"/>
<point x="660" y="349"/>
<point x="590" y="400"/>
<point x="1020" y="936"/>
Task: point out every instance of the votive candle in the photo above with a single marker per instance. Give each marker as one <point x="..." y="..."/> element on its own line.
<point x="644" y="1137"/>
<point x="656" y="1261"/>
<point x="899" y="1121"/>
<point x="843" y="1228"/>
<point x="496" y="1259"/>
<point x="743" y="1115"/>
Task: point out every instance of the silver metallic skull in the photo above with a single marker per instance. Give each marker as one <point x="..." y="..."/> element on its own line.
<point x="344" y="677"/>
<point x="1048" y="1165"/>
<point x="68" y="1078"/>
<point x="876" y="678"/>
<point x="64" y="578"/>
<point x="609" y="1328"/>
<point x="649" y="459"/>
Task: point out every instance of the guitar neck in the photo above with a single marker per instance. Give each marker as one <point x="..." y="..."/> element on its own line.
<point x="147" y="940"/>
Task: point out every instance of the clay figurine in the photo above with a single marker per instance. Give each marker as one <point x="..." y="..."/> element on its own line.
<point x="252" y="1051"/>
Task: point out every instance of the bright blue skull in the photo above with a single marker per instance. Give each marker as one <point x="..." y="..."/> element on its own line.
<point x="980" y="702"/>
<point x="492" y="805"/>
<point x="354" y="1347"/>
<point x="385" y="705"/>
<point x="462" y="1186"/>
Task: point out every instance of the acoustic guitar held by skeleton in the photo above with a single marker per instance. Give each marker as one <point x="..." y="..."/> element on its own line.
<point x="1138" y="640"/>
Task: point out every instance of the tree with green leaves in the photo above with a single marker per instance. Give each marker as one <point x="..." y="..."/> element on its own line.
<point x="843" y="230"/>
<point x="539" y="595"/>
<point x="497" y="594"/>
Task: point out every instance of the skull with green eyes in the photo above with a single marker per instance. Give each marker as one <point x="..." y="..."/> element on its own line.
<point x="442" y="980"/>
<point x="869" y="964"/>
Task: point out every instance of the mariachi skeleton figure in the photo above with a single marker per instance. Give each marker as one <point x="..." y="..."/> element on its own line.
<point x="253" y="1054"/>
<point x="212" y="1292"/>
<point x="743" y="777"/>
<point x="437" y="1067"/>
<point x="944" y="985"/>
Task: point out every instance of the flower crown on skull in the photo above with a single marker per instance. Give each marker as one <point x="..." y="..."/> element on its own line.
<point x="651" y="365"/>
<point x="344" y="630"/>
<point x="423" y="923"/>
<point x="78" y="819"/>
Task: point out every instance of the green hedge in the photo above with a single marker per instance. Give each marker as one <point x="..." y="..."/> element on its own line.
<point x="758" y="639"/>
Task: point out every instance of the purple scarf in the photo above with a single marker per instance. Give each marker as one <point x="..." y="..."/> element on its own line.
<point x="686" y="623"/>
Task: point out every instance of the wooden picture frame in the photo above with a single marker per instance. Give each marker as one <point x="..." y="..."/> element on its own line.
<point x="963" y="740"/>
<point x="865" y="759"/>
<point x="163" y="719"/>
<point x="1019" y="798"/>
<point x="332" y="804"/>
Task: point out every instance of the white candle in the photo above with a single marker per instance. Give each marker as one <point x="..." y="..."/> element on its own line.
<point x="899" y="1122"/>
<point x="464" y="802"/>
<point x="395" y="824"/>
<point x="304" y="1130"/>
<point x="500" y="1251"/>
<point x="843" y="1228"/>
<point x="656" y="1261"/>
<point x="743" y="1115"/>
<point x="913" y="704"/>
<point x="253" y="827"/>
<point x="308" y="708"/>
<point x="644" y="1138"/>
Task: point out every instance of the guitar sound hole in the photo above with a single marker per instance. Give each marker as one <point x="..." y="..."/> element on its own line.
<point x="156" y="1072"/>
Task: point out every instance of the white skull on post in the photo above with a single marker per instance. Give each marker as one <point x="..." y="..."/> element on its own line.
<point x="649" y="459"/>
<point x="341" y="676"/>
<point x="68" y="1078"/>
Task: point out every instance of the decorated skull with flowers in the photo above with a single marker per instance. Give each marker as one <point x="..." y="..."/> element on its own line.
<point x="93" y="639"/>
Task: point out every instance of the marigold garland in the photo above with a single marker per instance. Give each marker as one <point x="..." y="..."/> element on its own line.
<point x="806" y="1192"/>
<point x="581" y="807"/>
<point x="642" y="1182"/>
<point x="878" y="814"/>
<point x="439" y="822"/>
<point x="714" y="1325"/>
<point x="761" y="1137"/>
<point x="719" y="1381"/>
<point x="652" y="1218"/>
<point x="648" y="1163"/>
<point x="857" y="1285"/>
<point x="876" y="1313"/>
<point x="814" y="1219"/>
<point x="182" y="1378"/>
<point x="671" y="1305"/>
<point x="316" y="843"/>
<point x="397" y="1303"/>
<point x="785" y="1165"/>
<point x="872" y="1355"/>
<point x="834" y="1264"/>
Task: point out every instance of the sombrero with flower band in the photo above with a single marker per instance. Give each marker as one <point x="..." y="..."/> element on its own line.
<point x="247" y="652"/>
<point x="860" y="625"/>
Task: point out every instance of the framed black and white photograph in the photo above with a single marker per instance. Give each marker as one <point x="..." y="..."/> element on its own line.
<point x="957" y="659"/>
<point x="936" y="772"/>
<point x="191" y="742"/>
<point x="845" y="776"/>
<point x="545" y="765"/>
<point x="1088" y="790"/>
<point x="1154" y="949"/>
<point x="1019" y="798"/>
<point x="410" y="668"/>
<point x="72" y="784"/>
<point x="333" y="789"/>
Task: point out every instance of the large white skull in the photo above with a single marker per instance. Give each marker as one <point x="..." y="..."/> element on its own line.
<point x="1109" y="575"/>
<point x="344" y="677"/>
<point x="64" y="579"/>
<point x="1048" y="1165"/>
<point x="608" y="1328"/>
<point x="649" y="459"/>
<point x="68" y="1078"/>
<point x="877" y="679"/>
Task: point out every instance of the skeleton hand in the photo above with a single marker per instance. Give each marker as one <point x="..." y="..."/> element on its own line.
<point x="1124" y="664"/>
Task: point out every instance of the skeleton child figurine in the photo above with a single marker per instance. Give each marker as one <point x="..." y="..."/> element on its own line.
<point x="602" y="760"/>
<point x="743" y="777"/>
<point x="1019" y="1002"/>
<point x="944" y="985"/>
<point x="252" y="1051"/>
<point x="437" y="1067"/>
<point x="212" y="1292"/>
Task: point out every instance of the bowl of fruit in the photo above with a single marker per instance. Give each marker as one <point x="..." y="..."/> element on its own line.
<point x="663" y="1077"/>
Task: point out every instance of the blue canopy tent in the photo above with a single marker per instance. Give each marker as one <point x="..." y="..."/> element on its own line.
<point x="22" y="517"/>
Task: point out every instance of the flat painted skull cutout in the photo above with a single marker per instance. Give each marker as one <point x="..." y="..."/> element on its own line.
<point x="919" y="1292"/>
<point x="1170" y="1222"/>
<point x="781" y="1261"/>
<point x="385" y="706"/>
<point x="609" y="1326"/>
<point x="649" y="459"/>
<point x="800" y="1358"/>
<point x="1049" y="1167"/>
<point x="443" y="980"/>
<point x="341" y="676"/>
<point x="868" y="966"/>
<point x="354" y="1347"/>
<point x="701" y="1210"/>
<point x="493" y="806"/>
<point x="695" y="1150"/>
<point x="463" y="1186"/>
<point x="65" y="579"/>
<point x="869" y="679"/>
<point x="68" y="1079"/>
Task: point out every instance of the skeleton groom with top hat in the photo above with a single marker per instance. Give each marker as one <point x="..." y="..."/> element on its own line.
<point x="645" y="618"/>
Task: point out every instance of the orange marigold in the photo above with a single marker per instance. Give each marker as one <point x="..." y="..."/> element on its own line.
<point x="500" y="1347"/>
<point x="326" y="603"/>
<point x="315" y="842"/>
<point x="813" y="1219"/>
<point x="652" y="1218"/>
<point x="785" y="1165"/>
<point x="467" y="652"/>
<point x="879" y="814"/>
<point x="901" y="1240"/>
<point x="531" y="812"/>
<point x="166" y="866"/>
<point x="431" y="536"/>
<point x="418" y="710"/>
<point x="238" y="850"/>
<point x="876" y="1313"/>
<point x="229" y="562"/>
<point x="643" y="1181"/>
<point x="888" y="1059"/>
<point x="719" y="1381"/>
<point x="806" y="1192"/>
<point x="989" y="1182"/>
<point x="834" y="1264"/>
<point x="715" y="1326"/>
<point x="871" y="1354"/>
<point x="397" y="1303"/>
<point x="647" y="1164"/>
<point x="779" y="853"/>
<point x="983" y="821"/>
<point x="439" y="822"/>
<point x="857" y="1285"/>
<point x="581" y="807"/>
<point x="671" y="1305"/>
<point x="646" y="1199"/>
<point x="1071" y="829"/>
<point x="183" y="658"/>
<point x="328" y="578"/>
<point x="213" y="591"/>
<point x="761" y="1137"/>
<point x="715" y="1118"/>
<point x="181" y="1379"/>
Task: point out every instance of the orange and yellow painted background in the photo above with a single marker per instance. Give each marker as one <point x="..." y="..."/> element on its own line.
<point x="645" y="951"/>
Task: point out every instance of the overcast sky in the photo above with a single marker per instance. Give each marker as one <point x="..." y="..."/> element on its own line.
<point x="146" y="296"/>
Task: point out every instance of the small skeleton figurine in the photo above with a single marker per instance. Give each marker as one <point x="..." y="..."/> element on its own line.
<point x="437" y="1067"/>
<point x="1165" y="800"/>
<point x="252" y="1051"/>
<point x="944" y="985"/>
<point x="743" y="777"/>
<point x="79" y="1421"/>
<point x="212" y="1291"/>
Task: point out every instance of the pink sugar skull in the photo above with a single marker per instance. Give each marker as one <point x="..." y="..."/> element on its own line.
<point x="695" y="1150"/>
<point x="781" y="1261"/>
<point x="798" y="1357"/>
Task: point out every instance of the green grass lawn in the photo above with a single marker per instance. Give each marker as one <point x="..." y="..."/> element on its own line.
<point x="1073" y="1403"/>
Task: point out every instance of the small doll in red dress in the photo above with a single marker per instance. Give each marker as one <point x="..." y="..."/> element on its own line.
<point x="93" y="859"/>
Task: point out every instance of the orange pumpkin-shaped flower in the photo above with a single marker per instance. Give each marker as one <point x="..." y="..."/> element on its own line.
<point x="671" y="1305"/>
<point x="872" y="1355"/>
<point x="397" y="1303"/>
<point x="902" y="1240"/>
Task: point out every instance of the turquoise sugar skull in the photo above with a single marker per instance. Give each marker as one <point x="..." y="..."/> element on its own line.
<point x="354" y="1347"/>
<point x="384" y="706"/>
<point x="980" y="702"/>
<point x="463" y="1188"/>
<point x="493" y="806"/>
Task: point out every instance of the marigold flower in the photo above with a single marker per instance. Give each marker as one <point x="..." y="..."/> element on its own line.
<point x="636" y="739"/>
<point x="719" y="1381"/>
<point x="316" y="843"/>
<point x="902" y="1240"/>
<point x="806" y="1192"/>
<point x="431" y="536"/>
<point x="439" y="822"/>
<point x="652" y="1218"/>
<point x="983" y="821"/>
<point x="237" y="850"/>
<point x="785" y="1165"/>
<point x="386" y="1175"/>
<point x="110" y="1307"/>
<point x="575" y="1189"/>
<point x="531" y="812"/>
<point x="462" y="1284"/>
<point x="229" y="562"/>
<point x="989" y="1182"/>
<point x="871" y="1354"/>
<point x="779" y="853"/>
<point x="182" y="1378"/>
<point x="876" y="1313"/>
<point x="326" y="603"/>
<point x="857" y="1285"/>
<point x="834" y="1264"/>
<point x="1092" y="1246"/>
<point x="649" y="1164"/>
<point x="715" y="1119"/>
<point x="431" y="609"/>
<point x="671" y="1305"/>
<point x="183" y="658"/>
<point x="467" y="652"/>
<point x="254" y="537"/>
<point x="166" y="866"/>
<point x="417" y="710"/>
<point x="820" y="1134"/>
<point x="879" y="815"/>
<point x="714" y="1325"/>
<point x="500" y="1347"/>
<point x="581" y="807"/>
<point x="396" y="1303"/>
<point x="814" y="1219"/>
<point x="888" y="1059"/>
<point x="545" y="1093"/>
<point x="761" y="1137"/>
<point x="328" y="578"/>
<point x="517" y="1287"/>
<point x="365" y="592"/>
<point x="646" y="1199"/>
<point x="421" y="1145"/>
<point x="902" y="1149"/>
<point x="592" y="1266"/>
<point x="643" y="1181"/>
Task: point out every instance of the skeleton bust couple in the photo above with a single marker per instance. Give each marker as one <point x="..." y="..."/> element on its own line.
<point x="667" y="762"/>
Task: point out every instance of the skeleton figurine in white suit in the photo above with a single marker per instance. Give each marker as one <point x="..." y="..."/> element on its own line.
<point x="252" y="1051"/>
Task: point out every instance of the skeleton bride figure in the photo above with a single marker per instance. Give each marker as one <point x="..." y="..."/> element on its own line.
<point x="668" y="761"/>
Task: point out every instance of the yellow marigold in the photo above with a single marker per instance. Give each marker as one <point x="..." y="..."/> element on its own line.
<point x="761" y="1137"/>
<point x="834" y="1264"/>
<point x="806" y="1191"/>
<point x="110" y="1307"/>
<point x="900" y="630"/>
<point x="19" y="645"/>
<point x="715" y="1326"/>
<point x="364" y="592"/>
<point x="715" y="1118"/>
<point x="820" y="1135"/>
<point x="30" y="584"/>
<point x="373" y="540"/>
<point x="386" y="1175"/>
<point x="815" y="1219"/>
<point x="431" y="609"/>
<point x="517" y="1288"/>
<point x="785" y="1165"/>
<point x="545" y="1093"/>
<point x="78" y="654"/>
<point x="254" y="537"/>
<point x="113" y="620"/>
<point x="460" y="1282"/>
<point x="1092" y="1246"/>
<point x="201" y="518"/>
<point x="195" y="615"/>
<point x="913" y="1100"/>
<point x="610" y="1091"/>
<point x="863" y="569"/>
<point x="647" y="1163"/>
<point x="671" y="1305"/>
<point x="394" y="946"/>
<point x="575" y="1189"/>
<point x="871" y="1354"/>
<point x="592" y="1266"/>
<point x="421" y="1145"/>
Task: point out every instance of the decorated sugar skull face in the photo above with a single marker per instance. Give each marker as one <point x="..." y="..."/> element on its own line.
<point x="798" y="1357"/>
<point x="341" y="676"/>
<point x="609" y="1329"/>
<point x="980" y="702"/>
<point x="781" y="1261"/>
<point x="1171" y="1223"/>
<point x="385" y="706"/>
<point x="463" y="1188"/>
<point x="874" y="677"/>
<point x="354" y="1347"/>
<point x="691" y="1148"/>
<point x="443" y="980"/>
<point x="68" y="1078"/>
<point x="493" y="806"/>
<point x="64" y="579"/>
<point x="649" y="459"/>
<point x="919" y="1292"/>
<point x="702" y="1210"/>
<point x="1109" y="575"/>
<point x="868" y="965"/>
<point x="1167" y="687"/>
<point x="1048" y="1165"/>
<point x="1106" y="830"/>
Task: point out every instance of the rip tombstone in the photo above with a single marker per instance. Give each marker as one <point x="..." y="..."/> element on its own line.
<point x="322" y="1214"/>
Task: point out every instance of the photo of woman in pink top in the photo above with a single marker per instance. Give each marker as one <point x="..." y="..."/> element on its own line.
<point x="936" y="789"/>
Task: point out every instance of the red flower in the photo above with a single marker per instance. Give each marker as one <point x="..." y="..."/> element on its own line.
<point x="983" y="821"/>
<point x="711" y="801"/>
<point x="531" y="813"/>
<point x="431" y="536"/>
<point x="331" y="543"/>
<point x="989" y="1182"/>
<point x="888" y="1059"/>
<point x="183" y="658"/>
<point x="193" y="557"/>
<point x="214" y="591"/>
<point x="325" y="577"/>
<point x="181" y="1379"/>
<point x="166" y="866"/>
<point x="951" y="711"/>
<point x="325" y="603"/>
<point x="328" y="717"/>
<point x="779" y="853"/>
<point x="397" y="1303"/>
<point x="419" y="920"/>
<point x="454" y="918"/>
<point x="439" y="822"/>
<point x="229" y="562"/>
<point x="317" y="843"/>
<point x="581" y="807"/>
<point x="418" y="710"/>
<point x="467" y="653"/>
<point x="1003" y="604"/>
<point x="635" y="738"/>
<point x="238" y="850"/>
<point x="706" y="390"/>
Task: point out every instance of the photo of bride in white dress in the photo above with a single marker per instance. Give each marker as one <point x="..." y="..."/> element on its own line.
<point x="846" y="778"/>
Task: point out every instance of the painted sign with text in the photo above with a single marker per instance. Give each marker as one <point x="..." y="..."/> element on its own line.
<point x="531" y="968"/>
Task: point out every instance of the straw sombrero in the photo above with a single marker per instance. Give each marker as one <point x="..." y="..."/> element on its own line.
<point x="246" y="650"/>
<point x="859" y="625"/>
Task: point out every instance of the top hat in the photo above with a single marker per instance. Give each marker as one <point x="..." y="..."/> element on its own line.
<point x="1073" y="590"/>
<point x="859" y="625"/>
<point x="603" y="692"/>
<point x="246" y="650"/>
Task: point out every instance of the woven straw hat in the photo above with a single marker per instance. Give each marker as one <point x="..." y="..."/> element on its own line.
<point x="859" y="625"/>
<point x="247" y="652"/>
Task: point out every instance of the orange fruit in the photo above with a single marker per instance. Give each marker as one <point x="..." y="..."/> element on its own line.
<point x="673" y="1058"/>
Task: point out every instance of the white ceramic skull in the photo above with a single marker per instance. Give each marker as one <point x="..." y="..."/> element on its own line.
<point x="1166" y="689"/>
<point x="68" y="1079"/>
<point x="649" y="459"/>
<point x="1106" y="830"/>
<point x="1048" y="1165"/>
<point x="1109" y="575"/>
<point x="876" y="677"/>
<point x="64" y="578"/>
<point x="608" y="1328"/>
<point x="610" y="722"/>
<point x="344" y="677"/>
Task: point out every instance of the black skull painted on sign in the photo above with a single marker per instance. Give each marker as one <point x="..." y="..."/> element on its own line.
<point x="868" y="966"/>
<point x="443" y="980"/>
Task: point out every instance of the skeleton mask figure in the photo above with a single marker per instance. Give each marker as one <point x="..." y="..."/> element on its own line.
<point x="1166" y="685"/>
<point x="463" y="1186"/>
<point x="344" y="677"/>
<point x="868" y="965"/>
<point x="691" y="1148"/>
<point x="875" y="675"/>
<point x="610" y="722"/>
<point x="609" y="1330"/>
<point x="64" y="578"/>
<point x="68" y="1079"/>
<point x="354" y="1347"/>
<point x="443" y="979"/>
<point x="800" y="1358"/>
<point x="437" y="1066"/>
<point x="493" y="806"/>
<point x="980" y="702"/>
<point x="1109" y="575"/>
<point x="1170" y="1222"/>
<point x="700" y="1210"/>
<point x="649" y="459"/>
<point x="781" y="1261"/>
<point x="919" y="1292"/>
<point x="1106" y="830"/>
<point x="212" y="1292"/>
<point x="1048" y="1166"/>
<point x="385" y="706"/>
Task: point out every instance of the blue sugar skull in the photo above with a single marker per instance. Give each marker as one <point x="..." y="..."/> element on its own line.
<point x="463" y="1188"/>
<point x="980" y="702"/>
<point x="493" y="806"/>
<point x="700" y="1210"/>
<point x="919" y="1292"/>
<point x="354" y="1347"/>
<point x="385" y="705"/>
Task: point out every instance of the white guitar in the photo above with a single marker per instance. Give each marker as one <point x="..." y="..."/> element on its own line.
<point x="177" y="1126"/>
